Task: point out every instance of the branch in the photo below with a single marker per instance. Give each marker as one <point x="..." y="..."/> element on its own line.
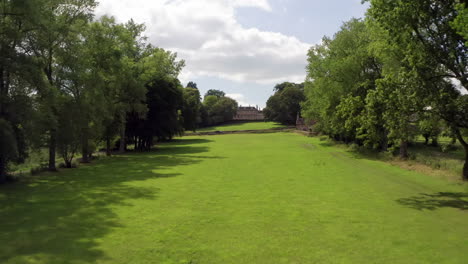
<point x="460" y="138"/>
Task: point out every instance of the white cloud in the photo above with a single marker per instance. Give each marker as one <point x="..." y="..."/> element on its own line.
<point x="263" y="4"/>
<point x="206" y="34"/>
<point x="240" y="98"/>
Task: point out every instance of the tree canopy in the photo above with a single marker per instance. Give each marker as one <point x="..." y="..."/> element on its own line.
<point x="400" y="72"/>
<point x="69" y="82"/>
<point x="285" y="105"/>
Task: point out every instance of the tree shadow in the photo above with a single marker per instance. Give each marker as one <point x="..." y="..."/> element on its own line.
<point x="60" y="217"/>
<point x="435" y="201"/>
<point x="327" y="144"/>
<point x="192" y="141"/>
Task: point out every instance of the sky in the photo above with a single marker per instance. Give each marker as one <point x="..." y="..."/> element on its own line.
<point x="242" y="47"/>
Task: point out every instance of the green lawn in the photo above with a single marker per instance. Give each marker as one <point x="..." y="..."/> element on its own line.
<point x="269" y="198"/>
<point x="242" y="126"/>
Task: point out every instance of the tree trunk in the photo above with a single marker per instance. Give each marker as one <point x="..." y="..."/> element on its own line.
<point x="52" y="149"/>
<point x="465" y="146"/>
<point x="108" y="146"/>
<point x="435" y="142"/>
<point x="2" y="170"/>
<point x="84" y="147"/>
<point x="426" y="140"/>
<point x="465" y="167"/>
<point x="122" y="139"/>
<point x="404" y="149"/>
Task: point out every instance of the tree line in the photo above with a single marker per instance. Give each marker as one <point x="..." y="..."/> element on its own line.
<point x="400" y="72"/>
<point x="71" y="83"/>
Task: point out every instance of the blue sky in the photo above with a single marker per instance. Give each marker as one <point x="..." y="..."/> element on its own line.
<point x="242" y="47"/>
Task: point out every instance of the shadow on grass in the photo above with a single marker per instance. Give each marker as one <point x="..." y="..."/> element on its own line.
<point x="327" y="144"/>
<point x="435" y="201"/>
<point x="183" y="142"/>
<point x="60" y="218"/>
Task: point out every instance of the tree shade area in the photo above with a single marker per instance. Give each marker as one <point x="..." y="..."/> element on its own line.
<point x="73" y="84"/>
<point x="266" y="198"/>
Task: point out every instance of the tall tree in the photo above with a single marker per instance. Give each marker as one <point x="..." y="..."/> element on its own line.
<point x="213" y="92"/>
<point x="57" y="21"/>
<point x="191" y="108"/>
<point x="18" y="76"/>
<point x="431" y="36"/>
<point x="192" y="85"/>
<point x="285" y="105"/>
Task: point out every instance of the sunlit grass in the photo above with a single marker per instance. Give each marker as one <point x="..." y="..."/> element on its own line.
<point x="269" y="198"/>
<point x="242" y="126"/>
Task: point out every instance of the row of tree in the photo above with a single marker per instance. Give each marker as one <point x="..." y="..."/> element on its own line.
<point x="401" y="71"/>
<point x="69" y="83"/>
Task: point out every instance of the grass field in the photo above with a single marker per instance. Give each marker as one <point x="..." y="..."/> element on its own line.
<point x="242" y="126"/>
<point x="269" y="198"/>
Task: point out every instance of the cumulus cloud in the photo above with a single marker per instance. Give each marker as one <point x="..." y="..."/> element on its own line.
<point x="240" y="98"/>
<point x="206" y="34"/>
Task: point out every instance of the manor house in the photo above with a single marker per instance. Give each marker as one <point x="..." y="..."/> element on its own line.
<point x="249" y="113"/>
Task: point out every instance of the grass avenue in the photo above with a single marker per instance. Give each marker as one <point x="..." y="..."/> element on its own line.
<point x="245" y="198"/>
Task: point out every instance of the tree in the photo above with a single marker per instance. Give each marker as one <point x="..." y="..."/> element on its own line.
<point x="164" y="100"/>
<point x="163" y="120"/>
<point x="69" y="136"/>
<point x="56" y="23"/>
<point x="192" y="85"/>
<point x="430" y="126"/>
<point x="216" y="110"/>
<point x="285" y="105"/>
<point x="431" y="36"/>
<point x="216" y="93"/>
<point x="341" y="75"/>
<point x="191" y="108"/>
<point x="8" y="147"/>
<point x="18" y="77"/>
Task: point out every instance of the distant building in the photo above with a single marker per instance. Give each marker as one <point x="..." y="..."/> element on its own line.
<point x="249" y="113"/>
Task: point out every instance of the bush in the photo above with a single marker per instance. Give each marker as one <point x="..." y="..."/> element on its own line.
<point x="448" y="147"/>
<point x="38" y="169"/>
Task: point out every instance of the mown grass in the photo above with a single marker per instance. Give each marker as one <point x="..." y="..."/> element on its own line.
<point x="242" y="126"/>
<point x="269" y="198"/>
<point x="445" y="160"/>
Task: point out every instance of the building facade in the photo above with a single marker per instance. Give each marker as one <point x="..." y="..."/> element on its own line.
<point x="249" y="113"/>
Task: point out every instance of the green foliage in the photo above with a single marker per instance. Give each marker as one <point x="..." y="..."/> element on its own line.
<point x="192" y="85"/>
<point x="213" y="92"/>
<point x="163" y="120"/>
<point x="430" y="37"/>
<point x="191" y="108"/>
<point x="8" y="146"/>
<point x="217" y="109"/>
<point x="341" y="84"/>
<point x="69" y="81"/>
<point x="284" y="106"/>
<point x="373" y="82"/>
<point x="69" y="136"/>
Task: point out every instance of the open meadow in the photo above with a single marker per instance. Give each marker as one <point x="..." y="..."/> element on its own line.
<point x="246" y="198"/>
